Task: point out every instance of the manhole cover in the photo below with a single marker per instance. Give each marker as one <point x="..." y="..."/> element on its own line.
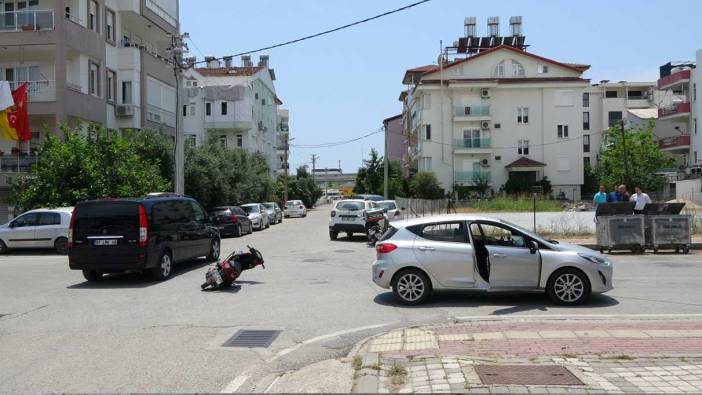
<point x="526" y="375"/>
<point x="344" y="251"/>
<point x="312" y="260"/>
<point x="252" y="339"/>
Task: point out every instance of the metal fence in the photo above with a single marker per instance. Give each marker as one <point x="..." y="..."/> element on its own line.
<point x="412" y="208"/>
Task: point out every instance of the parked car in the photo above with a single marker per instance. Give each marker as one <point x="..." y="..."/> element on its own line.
<point x="146" y="234"/>
<point x="230" y="220"/>
<point x="295" y="207"/>
<point x="42" y="228"/>
<point x="418" y="256"/>
<point x="258" y="215"/>
<point x="375" y="198"/>
<point x="349" y="216"/>
<point x="391" y="209"/>
<point x="274" y="212"/>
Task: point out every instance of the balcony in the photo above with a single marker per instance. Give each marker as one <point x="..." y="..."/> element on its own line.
<point x="681" y="77"/>
<point x="675" y="144"/>
<point x="470" y="177"/>
<point x="38" y="91"/>
<point x="472" y="145"/>
<point x="160" y="116"/>
<point x="677" y="110"/>
<point x="471" y="113"/>
<point x="17" y="163"/>
<point x="26" y="21"/>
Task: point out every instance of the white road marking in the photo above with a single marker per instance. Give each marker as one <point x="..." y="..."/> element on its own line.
<point x="324" y="337"/>
<point x="564" y="316"/>
<point x="272" y="384"/>
<point x="235" y="384"/>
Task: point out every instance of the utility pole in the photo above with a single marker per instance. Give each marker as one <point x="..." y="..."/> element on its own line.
<point x="314" y="167"/>
<point x="177" y="49"/>
<point x="626" y="156"/>
<point x="286" y="166"/>
<point x="385" y="168"/>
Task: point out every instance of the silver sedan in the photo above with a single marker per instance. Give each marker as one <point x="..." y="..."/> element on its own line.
<point x="457" y="252"/>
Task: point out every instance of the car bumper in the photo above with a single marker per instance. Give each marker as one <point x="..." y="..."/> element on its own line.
<point x="294" y="212"/>
<point x="111" y="264"/>
<point x="227" y="228"/>
<point x="382" y="272"/>
<point x="340" y="227"/>
<point x="601" y="279"/>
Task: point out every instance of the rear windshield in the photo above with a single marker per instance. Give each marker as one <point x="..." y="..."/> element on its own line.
<point x="106" y="218"/>
<point x="219" y="211"/>
<point x="250" y="209"/>
<point x="388" y="234"/>
<point x="351" y="206"/>
<point x="387" y="205"/>
<point x="293" y="203"/>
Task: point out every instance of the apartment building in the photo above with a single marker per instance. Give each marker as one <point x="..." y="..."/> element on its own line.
<point x="396" y="147"/>
<point x="237" y="104"/>
<point x="283" y="142"/>
<point x="101" y="61"/>
<point x="493" y="110"/>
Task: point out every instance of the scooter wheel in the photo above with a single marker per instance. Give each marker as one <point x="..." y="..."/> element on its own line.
<point x="204" y="286"/>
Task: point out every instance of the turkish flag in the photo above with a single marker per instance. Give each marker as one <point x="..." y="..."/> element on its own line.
<point x="17" y="116"/>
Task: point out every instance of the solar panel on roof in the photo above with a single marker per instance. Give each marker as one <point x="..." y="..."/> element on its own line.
<point x="463" y="44"/>
<point x="508" y="41"/>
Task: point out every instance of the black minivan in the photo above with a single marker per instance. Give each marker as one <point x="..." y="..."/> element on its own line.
<point x="145" y="234"/>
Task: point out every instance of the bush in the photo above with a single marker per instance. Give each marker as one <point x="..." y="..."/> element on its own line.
<point x="424" y="185"/>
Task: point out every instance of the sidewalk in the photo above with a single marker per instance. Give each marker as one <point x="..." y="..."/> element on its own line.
<point x="535" y="356"/>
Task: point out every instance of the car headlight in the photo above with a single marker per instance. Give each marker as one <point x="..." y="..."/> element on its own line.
<point x="595" y="259"/>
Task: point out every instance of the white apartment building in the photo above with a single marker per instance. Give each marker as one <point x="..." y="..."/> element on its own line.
<point x="101" y="61"/>
<point x="283" y="143"/>
<point x="237" y="104"/>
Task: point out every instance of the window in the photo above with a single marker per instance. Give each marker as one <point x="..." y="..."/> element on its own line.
<point x="208" y="109"/>
<point x="586" y="99"/>
<point x="694" y="124"/>
<point x="562" y="131"/>
<point x="500" y="69"/>
<point x="634" y="95"/>
<point x="185" y="110"/>
<point x="498" y="157"/>
<point x="93" y="79"/>
<point x="224" y="108"/>
<point x="110" y="26"/>
<point x="190" y="140"/>
<point x="426" y="163"/>
<point x="615" y="118"/>
<point x="111" y="86"/>
<point x="695" y="162"/>
<point x="497" y="235"/>
<point x="542" y="69"/>
<point x="523" y="147"/>
<point x="586" y="143"/>
<point x="198" y="212"/>
<point x="427" y="132"/>
<point x="517" y="69"/>
<point x="256" y="96"/>
<point x="694" y="92"/>
<point x="471" y="138"/>
<point x="611" y="94"/>
<point x="263" y="102"/>
<point x="452" y="232"/>
<point x="497" y="126"/>
<point x="26" y="220"/>
<point x="223" y="140"/>
<point x="126" y="92"/>
<point x="586" y="121"/>
<point x="93" y="15"/>
<point x="522" y="115"/>
<point x="49" y="219"/>
<point x="239" y="141"/>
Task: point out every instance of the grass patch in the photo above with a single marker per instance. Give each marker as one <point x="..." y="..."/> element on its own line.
<point x="398" y="374"/>
<point x="505" y="204"/>
<point x="357" y="362"/>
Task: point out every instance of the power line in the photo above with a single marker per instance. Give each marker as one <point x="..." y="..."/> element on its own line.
<point x="338" y="143"/>
<point x="336" y="29"/>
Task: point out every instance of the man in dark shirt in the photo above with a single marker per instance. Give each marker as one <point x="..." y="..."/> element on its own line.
<point x="618" y="195"/>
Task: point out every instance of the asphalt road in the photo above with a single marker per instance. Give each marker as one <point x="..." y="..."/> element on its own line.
<point x="129" y="334"/>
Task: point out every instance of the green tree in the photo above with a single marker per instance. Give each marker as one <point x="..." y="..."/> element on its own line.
<point x="635" y="149"/>
<point x="481" y="182"/>
<point x="300" y="187"/>
<point x="369" y="178"/>
<point x="424" y="185"/>
<point x="87" y="166"/>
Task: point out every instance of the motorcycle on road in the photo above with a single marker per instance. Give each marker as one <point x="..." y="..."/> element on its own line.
<point x="224" y="273"/>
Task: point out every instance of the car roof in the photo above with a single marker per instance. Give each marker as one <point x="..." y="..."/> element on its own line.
<point x="250" y="204"/>
<point x="55" y="210"/>
<point x="443" y="218"/>
<point x="386" y="201"/>
<point x="352" y="200"/>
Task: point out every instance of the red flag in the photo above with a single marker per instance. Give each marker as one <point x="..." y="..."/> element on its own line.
<point x="18" y="117"/>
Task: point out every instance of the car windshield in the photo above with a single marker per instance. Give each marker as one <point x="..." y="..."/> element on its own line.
<point x="250" y="209"/>
<point x="529" y="233"/>
<point x="349" y="205"/>
<point x="269" y="206"/>
<point x="293" y="203"/>
<point x="387" y="205"/>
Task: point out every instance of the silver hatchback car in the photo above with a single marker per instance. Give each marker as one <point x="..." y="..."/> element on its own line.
<point x="457" y="252"/>
<point x="42" y="228"/>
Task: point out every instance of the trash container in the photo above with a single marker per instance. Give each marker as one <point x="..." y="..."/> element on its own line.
<point x="666" y="228"/>
<point x="618" y="229"/>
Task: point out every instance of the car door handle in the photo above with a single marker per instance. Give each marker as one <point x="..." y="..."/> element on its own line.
<point x="496" y="255"/>
<point x="423" y="248"/>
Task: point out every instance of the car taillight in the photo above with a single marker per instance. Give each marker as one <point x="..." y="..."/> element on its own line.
<point x="143" y="227"/>
<point x="385" y="248"/>
<point x="70" y="228"/>
<point x="301" y="207"/>
<point x="397" y="213"/>
<point x="333" y="213"/>
<point x="233" y="218"/>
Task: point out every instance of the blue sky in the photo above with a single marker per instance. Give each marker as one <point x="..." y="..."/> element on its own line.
<point x="343" y="85"/>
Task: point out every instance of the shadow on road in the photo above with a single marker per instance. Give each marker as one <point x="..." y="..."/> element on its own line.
<point x="236" y="287"/>
<point x="513" y="302"/>
<point x="354" y="239"/>
<point x="139" y="280"/>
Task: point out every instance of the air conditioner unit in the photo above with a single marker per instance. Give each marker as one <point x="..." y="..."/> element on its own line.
<point x="485" y="163"/>
<point x="485" y="125"/>
<point x="125" y="110"/>
<point x="485" y="93"/>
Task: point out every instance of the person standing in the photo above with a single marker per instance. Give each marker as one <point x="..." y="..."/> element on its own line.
<point x="641" y="199"/>
<point x="600" y="197"/>
<point x="618" y="194"/>
<point x="624" y="194"/>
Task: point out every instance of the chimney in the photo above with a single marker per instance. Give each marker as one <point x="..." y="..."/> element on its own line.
<point x="515" y="24"/>
<point x="228" y="61"/>
<point x="493" y="26"/>
<point x="263" y="61"/>
<point x="469" y="24"/>
<point x="212" y="62"/>
<point x="246" y="61"/>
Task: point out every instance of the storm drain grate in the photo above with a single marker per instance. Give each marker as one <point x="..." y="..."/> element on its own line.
<point x="526" y="375"/>
<point x="252" y="339"/>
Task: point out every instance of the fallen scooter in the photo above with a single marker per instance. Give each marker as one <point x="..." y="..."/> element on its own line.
<point x="224" y="273"/>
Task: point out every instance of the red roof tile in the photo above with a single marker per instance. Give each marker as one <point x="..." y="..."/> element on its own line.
<point x="525" y="162"/>
<point x="229" y="72"/>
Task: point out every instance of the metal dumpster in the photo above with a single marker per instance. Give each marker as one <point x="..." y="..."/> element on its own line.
<point x="666" y="228"/>
<point x="618" y="229"/>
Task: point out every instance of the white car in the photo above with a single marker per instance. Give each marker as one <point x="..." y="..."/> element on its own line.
<point x="349" y="216"/>
<point x="258" y="215"/>
<point x="41" y="228"/>
<point x="455" y="252"/>
<point x="296" y="208"/>
<point x="392" y="211"/>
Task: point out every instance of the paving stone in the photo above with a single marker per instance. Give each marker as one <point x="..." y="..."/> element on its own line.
<point x="489" y="336"/>
<point x="557" y="334"/>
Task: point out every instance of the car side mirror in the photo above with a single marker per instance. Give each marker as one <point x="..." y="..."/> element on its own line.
<point x="533" y="246"/>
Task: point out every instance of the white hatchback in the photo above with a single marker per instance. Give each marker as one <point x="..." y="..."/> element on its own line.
<point x="41" y="228"/>
<point x="294" y="207"/>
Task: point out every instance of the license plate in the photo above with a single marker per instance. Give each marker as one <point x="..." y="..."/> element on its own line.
<point x="221" y="227"/>
<point x="105" y="242"/>
<point x="217" y="277"/>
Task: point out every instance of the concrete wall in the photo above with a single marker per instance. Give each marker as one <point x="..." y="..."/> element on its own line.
<point x="396" y="141"/>
<point x="689" y="190"/>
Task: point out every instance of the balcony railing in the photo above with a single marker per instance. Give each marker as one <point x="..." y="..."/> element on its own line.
<point x="471" y="111"/>
<point x="471" y="176"/>
<point x="673" y="142"/>
<point x="26" y="21"/>
<point x="17" y="163"/>
<point x="38" y="91"/>
<point x="675" y="109"/>
<point x="674" y="78"/>
<point x="160" y="115"/>
<point x="471" y="143"/>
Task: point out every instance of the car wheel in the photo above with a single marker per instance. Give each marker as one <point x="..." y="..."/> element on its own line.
<point x="3" y="247"/>
<point x="92" y="275"/>
<point x="164" y="268"/>
<point x="333" y="234"/>
<point x="568" y="287"/>
<point x="411" y="287"/>
<point x="238" y="231"/>
<point x="61" y="245"/>
<point x="214" y="250"/>
<point x="268" y="224"/>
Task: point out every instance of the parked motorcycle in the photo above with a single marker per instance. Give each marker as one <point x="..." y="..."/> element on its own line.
<point x="376" y="225"/>
<point x="224" y="273"/>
